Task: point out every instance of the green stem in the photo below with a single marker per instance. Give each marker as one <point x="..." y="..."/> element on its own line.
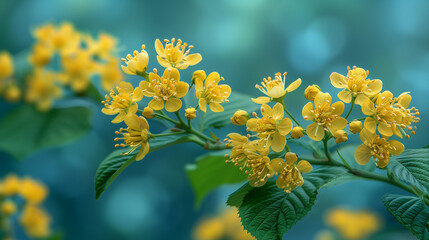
<point x="351" y="107"/>
<point x="288" y="113"/>
<point x="202" y="121"/>
<point x="165" y="117"/>
<point x="166" y="134"/>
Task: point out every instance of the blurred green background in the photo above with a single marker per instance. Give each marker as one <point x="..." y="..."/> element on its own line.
<point x="244" y="40"/>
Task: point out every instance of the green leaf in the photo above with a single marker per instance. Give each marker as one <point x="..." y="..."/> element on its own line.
<point x="26" y="130"/>
<point x="237" y="197"/>
<point x="236" y="101"/>
<point x="115" y="163"/>
<point x="412" y="166"/>
<point x="315" y="147"/>
<point x="411" y="212"/>
<point x="211" y="172"/>
<point x="268" y="212"/>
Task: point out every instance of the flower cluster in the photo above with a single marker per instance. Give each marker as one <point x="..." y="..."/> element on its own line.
<point x="163" y="91"/>
<point x="32" y="217"/>
<point x="61" y="58"/>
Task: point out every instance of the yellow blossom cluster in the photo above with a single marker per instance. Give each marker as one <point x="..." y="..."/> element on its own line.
<point x="32" y="217"/>
<point x="225" y="226"/>
<point x="163" y="91"/>
<point x="61" y="59"/>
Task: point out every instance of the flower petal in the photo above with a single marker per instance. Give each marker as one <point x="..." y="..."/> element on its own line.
<point x="285" y="126"/>
<point x="322" y="98"/>
<point x="374" y="87"/>
<point x="338" y="124"/>
<point x="315" y="131"/>
<point x="361" y="98"/>
<point x="127" y="71"/>
<point x="216" y="107"/>
<point x="194" y="58"/>
<point x="212" y="77"/>
<point x="156" y="104"/>
<point x="338" y="108"/>
<point x="385" y="129"/>
<point x="181" y="89"/>
<point x="278" y="142"/>
<point x="304" y="166"/>
<point x="163" y="62"/>
<point x="261" y="100"/>
<point x="345" y="96"/>
<point x="307" y="111"/>
<point x="278" y="164"/>
<point x="366" y="136"/>
<point x="396" y="147"/>
<point x="338" y="80"/>
<point x="276" y="92"/>
<point x="362" y="154"/>
<point x="294" y="85"/>
<point x="266" y="110"/>
<point x="370" y="124"/>
<point x="173" y="104"/>
<point x="404" y="100"/>
<point x="368" y="108"/>
<point x="120" y="117"/>
<point x="137" y="94"/>
<point x="159" y="48"/>
<point x="278" y="111"/>
<point x="202" y="103"/>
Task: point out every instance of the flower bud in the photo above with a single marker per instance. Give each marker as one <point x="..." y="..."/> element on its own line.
<point x="199" y="74"/>
<point x="8" y="208"/>
<point x="340" y="136"/>
<point x="137" y="63"/>
<point x="240" y="118"/>
<point x="148" y="113"/>
<point x="355" y="126"/>
<point x="291" y="158"/>
<point x="296" y="132"/>
<point x="311" y="92"/>
<point x="6" y="65"/>
<point x="190" y="113"/>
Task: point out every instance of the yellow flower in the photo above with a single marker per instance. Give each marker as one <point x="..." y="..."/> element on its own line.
<point x="123" y="103"/>
<point x="297" y="132"/>
<point x="324" y="116"/>
<point x="165" y="90"/>
<point x="12" y="93"/>
<point x="175" y="56"/>
<point x="136" y="64"/>
<point x="6" y="65"/>
<point x="210" y="93"/>
<point x="110" y="74"/>
<point x="32" y="191"/>
<point x="41" y="55"/>
<point x="8" y="208"/>
<point x="35" y="221"/>
<point x="135" y="135"/>
<point x="311" y="92"/>
<point x="272" y="128"/>
<point x="377" y="148"/>
<point x="103" y="47"/>
<point x="148" y="113"/>
<point x="62" y="38"/>
<point x="190" y="113"/>
<point x="355" y="126"/>
<point x="353" y="225"/>
<point x="238" y="152"/>
<point x="42" y="89"/>
<point x="340" y="136"/>
<point x="389" y="115"/>
<point x="275" y="88"/>
<point x="234" y="230"/>
<point x="240" y="118"/>
<point x="10" y="185"/>
<point x="355" y="85"/>
<point x="290" y="173"/>
<point x="209" y="229"/>
<point x="78" y="68"/>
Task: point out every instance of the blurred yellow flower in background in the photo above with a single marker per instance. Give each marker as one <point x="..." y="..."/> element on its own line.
<point x="166" y="90"/>
<point x="33" y="191"/>
<point x="60" y="38"/>
<point x="353" y="225"/>
<point x="6" y="65"/>
<point x="275" y="88"/>
<point x="42" y="89"/>
<point x="209" y="92"/>
<point x="79" y="67"/>
<point x="356" y="86"/>
<point x="35" y="221"/>
<point x="175" y="56"/>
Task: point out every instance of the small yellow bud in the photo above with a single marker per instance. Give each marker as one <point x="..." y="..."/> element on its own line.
<point x="6" y="65"/>
<point x="190" y="113"/>
<point x="291" y="158"/>
<point x="240" y="118"/>
<point x="148" y="113"/>
<point x="199" y="74"/>
<point x="355" y="127"/>
<point x="311" y="92"/>
<point x="296" y="132"/>
<point x="8" y="208"/>
<point x="12" y="93"/>
<point x="340" y="136"/>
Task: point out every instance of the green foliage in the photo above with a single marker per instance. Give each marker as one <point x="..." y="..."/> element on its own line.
<point x="267" y="212"/>
<point x="315" y="147"/>
<point x="412" y="166"/>
<point x="236" y="101"/>
<point x="411" y="212"/>
<point x="115" y="163"/>
<point x="210" y="172"/>
<point x="26" y="130"/>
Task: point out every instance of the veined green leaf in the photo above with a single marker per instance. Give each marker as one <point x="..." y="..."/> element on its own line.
<point x="236" y="101"/>
<point x="115" y="163"/>
<point x="412" y="166"/>
<point x="268" y="212"/>
<point x="26" y="130"/>
<point x="210" y="172"/>
<point x="411" y="212"/>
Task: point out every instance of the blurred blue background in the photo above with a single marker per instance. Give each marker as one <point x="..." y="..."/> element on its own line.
<point x="244" y="41"/>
